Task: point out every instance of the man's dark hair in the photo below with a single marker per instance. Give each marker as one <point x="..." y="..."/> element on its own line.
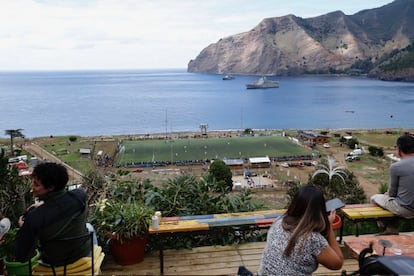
<point x="51" y="174"/>
<point x="406" y="143"/>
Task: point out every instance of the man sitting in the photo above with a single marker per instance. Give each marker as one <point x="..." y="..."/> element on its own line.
<point x="399" y="199"/>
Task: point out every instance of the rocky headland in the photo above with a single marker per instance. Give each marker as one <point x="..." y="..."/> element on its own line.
<point x="332" y="43"/>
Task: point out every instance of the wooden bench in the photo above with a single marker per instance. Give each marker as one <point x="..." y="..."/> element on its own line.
<point x="362" y="212"/>
<point x="205" y="223"/>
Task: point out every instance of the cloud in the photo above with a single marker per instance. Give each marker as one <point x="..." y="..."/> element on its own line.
<point x="52" y="34"/>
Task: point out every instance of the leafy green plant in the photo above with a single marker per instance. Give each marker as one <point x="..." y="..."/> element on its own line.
<point x="376" y="151"/>
<point x="121" y="220"/>
<point x="221" y="172"/>
<point x="352" y="142"/>
<point x="120" y="211"/>
<point x="383" y="188"/>
<point x="185" y="195"/>
<point x="14" y="190"/>
<point x="7" y="246"/>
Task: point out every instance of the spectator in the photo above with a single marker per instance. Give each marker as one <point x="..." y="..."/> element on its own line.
<point x="57" y="214"/>
<point x="399" y="199"/>
<point x="302" y="238"/>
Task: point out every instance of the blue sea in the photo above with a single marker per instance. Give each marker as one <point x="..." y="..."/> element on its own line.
<point x="90" y="103"/>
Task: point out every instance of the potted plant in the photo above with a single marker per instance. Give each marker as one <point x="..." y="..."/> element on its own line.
<point x="7" y="252"/>
<point x="121" y="215"/>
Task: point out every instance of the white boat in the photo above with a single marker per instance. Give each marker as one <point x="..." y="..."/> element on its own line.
<point x="262" y="83"/>
<point x="228" y="77"/>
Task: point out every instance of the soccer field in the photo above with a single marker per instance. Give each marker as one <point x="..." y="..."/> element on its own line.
<point x="208" y="148"/>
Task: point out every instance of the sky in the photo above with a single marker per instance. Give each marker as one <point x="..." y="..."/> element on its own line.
<point x="135" y="34"/>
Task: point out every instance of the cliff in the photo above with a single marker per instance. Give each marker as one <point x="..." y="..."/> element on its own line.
<point x="330" y="43"/>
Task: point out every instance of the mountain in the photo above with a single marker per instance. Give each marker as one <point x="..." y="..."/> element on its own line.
<point x="395" y="66"/>
<point x="330" y="43"/>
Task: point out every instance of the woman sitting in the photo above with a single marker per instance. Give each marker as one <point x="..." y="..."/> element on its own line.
<point x="302" y="238"/>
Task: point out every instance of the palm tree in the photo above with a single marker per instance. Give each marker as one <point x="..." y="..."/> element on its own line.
<point x="13" y="134"/>
<point x="331" y="170"/>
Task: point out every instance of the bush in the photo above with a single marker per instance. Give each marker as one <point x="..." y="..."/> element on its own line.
<point x="352" y="142"/>
<point x="185" y="195"/>
<point x="376" y="151"/>
<point x="73" y="138"/>
<point x="221" y="172"/>
<point x="14" y="191"/>
<point x="383" y="188"/>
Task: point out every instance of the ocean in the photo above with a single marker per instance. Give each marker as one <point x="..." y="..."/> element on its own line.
<point x="117" y="102"/>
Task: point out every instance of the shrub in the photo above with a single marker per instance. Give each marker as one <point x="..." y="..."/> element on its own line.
<point x="376" y="151"/>
<point x="14" y="191"/>
<point x="352" y="142"/>
<point x="221" y="172"/>
<point x="186" y="195"/>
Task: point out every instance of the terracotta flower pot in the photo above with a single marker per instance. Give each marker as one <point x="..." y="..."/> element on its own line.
<point x="337" y="223"/>
<point x="129" y="252"/>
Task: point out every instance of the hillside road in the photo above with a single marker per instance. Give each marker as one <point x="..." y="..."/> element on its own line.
<point x="43" y="155"/>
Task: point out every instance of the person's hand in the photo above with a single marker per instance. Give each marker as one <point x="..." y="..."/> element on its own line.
<point x="331" y="216"/>
<point x="36" y="204"/>
<point x="21" y="221"/>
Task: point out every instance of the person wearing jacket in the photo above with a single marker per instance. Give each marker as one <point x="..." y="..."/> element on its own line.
<point x="56" y="215"/>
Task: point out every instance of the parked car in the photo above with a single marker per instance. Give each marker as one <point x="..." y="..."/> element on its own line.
<point x="352" y="158"/>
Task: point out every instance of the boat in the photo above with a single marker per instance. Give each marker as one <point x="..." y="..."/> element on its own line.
<point x="262" y="83"/>
<point x="228" y="77"/>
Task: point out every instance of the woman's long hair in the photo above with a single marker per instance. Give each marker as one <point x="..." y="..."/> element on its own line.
<point x="306" y="214"/>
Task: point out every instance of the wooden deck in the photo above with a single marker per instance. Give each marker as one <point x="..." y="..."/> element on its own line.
<point x="209" y="260"/>
<point x="402" y="244"/>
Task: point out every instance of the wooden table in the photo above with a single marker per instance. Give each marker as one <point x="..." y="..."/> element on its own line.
<point x="399" y="263"/>
<point x="403" y="241"/>
<point x="210" y="222"/>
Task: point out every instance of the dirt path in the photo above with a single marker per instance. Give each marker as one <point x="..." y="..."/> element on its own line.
<point x="42" y="154"/>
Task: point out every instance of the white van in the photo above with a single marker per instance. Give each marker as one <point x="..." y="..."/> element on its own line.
<point x="357" y="151"/>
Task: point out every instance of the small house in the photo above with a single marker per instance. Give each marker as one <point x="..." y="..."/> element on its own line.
<point x="84" y="151"/>
<point x="234" y="164"/>
<point x="312" y="138"/>
<point x="259" y="162"/>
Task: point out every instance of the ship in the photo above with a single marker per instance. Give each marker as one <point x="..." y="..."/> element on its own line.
<point x="262" y="83"/>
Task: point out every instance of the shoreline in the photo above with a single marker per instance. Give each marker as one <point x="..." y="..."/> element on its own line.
<point x="210" y="134"/>
<point x="228" y="131"/>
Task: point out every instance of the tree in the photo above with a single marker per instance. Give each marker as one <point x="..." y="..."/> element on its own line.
<point x="337" y="182"/>
<point x="352" y="142"/>
<point x="248" y="131"/>
<point x="13" y="133"/>
<point x="330" y="170"/>
<point x="221" y="172"/>
<point x="376" y="151"/>
<point x="350" y="191"/>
